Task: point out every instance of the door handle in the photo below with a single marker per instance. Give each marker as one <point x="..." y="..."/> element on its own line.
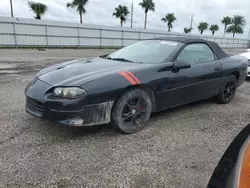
<point x="217" y="68"/>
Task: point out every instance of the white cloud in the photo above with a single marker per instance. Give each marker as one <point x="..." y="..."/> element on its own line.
<point x="100" y="12"/>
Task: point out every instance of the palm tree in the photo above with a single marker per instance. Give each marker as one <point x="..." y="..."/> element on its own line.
<point x="38" y="8"/>
<point x="214" y="28"/>
<point x="147" y="5"/>
<point x="226" y="21"/>
<point x="202" y="27"/>
<point x="237" y="26"/>
<point x="80" y="4"/>
<point x="187" y="30"/>
<point x="170" y="18"/>
<point x="121" y="12"/>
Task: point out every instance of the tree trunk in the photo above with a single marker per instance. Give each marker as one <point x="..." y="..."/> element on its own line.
<point x="121" y="23"/>
<point x="213" y="33"/>
<point x="80" y="17"/>
<point x="38" y="17"/>
<point x="169" y="29"/>
<point x="201" y="32"/>
<point x="225" y="29"/>
<point x="233" y="34"/>
<point x="145" y="22"/>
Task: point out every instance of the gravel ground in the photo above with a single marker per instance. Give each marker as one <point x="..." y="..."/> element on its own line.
<point x="180" y="147"/>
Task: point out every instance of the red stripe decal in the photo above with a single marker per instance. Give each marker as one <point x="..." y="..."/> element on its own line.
<point x="134" y="77"/>
<point x="128" y="77"/>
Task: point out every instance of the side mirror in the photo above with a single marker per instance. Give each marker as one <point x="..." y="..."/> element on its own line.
<point x="181" y="65"/>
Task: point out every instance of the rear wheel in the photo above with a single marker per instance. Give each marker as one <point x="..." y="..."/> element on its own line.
<point x="228" y="90"/>
<point x="132" y="111"/>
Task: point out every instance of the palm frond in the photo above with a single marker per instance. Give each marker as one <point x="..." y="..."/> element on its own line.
<point x="237" y="25"/>
<point x="38" y="8"/>
<point x="121" y="12"/>
<point x="147" y="5"/>
<point x="164" y="19"/>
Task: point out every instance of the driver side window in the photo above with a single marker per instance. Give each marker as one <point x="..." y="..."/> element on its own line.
<point x="196" y="53"/>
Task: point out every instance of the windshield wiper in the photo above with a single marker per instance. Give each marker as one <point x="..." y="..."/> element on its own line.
<point x="119" y="59"/>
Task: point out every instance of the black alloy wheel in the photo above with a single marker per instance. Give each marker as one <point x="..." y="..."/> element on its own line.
<point x="132" y="111"/>
<point x="228" y="90"/>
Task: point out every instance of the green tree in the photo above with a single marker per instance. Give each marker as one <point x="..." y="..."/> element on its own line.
<point x="147" y="5"/>
<point x="187" y="30"/>
<point x="80" y="4"/>
<point x="169" y="18"/>
<point x="202" y="27"/>
<point x="226" y="21"/>
<point x="237" y="26"/>
<point x="214" y="28"/>
<point x="38" y="8"/>
<point x="121" y="12"/>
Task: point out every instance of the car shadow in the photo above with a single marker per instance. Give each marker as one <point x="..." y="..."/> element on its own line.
<point x="164" y="113"/>
<point x="52" y="129"/>
<point x="247" y="79"/>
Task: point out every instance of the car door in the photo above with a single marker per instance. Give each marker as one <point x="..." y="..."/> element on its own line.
<point x="201" y="80"/>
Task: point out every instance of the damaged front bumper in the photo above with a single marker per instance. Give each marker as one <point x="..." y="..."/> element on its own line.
<point x="89" y="115"/>
<point x="96" y="114"/>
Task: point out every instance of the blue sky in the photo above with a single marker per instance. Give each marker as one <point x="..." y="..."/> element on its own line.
<point x="100" y="12"/>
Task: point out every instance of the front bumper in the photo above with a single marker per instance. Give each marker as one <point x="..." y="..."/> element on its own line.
<point x="89" y="115"/>
<point x="72" y="112"/>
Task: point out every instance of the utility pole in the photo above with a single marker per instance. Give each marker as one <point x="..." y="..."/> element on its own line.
<point x="11" y="8"/>
<point x="191" y="24"/>
<point x="249" y="34"/>
<point x="132" y="11"/>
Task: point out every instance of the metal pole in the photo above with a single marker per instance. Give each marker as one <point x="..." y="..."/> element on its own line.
<point x="11" y="8"/>
<point x="132" y="11"/>
<point x="14" y="32"/>
<point x="122" y="37"/>
<point x="46" y="33"/>
<point x="78" y="36"/>
<point x="248" y="34"/>
<point x="100" y="38"/>
<point x="248" y="38"/>
<point x="191" y="24"/>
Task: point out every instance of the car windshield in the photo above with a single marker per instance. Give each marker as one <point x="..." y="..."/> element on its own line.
<point x="148" y="51"/>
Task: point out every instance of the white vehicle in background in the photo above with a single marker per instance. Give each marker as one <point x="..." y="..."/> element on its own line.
<point x="247" y="55"/>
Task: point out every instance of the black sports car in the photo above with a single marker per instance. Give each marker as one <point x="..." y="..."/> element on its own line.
<point x="126" y="86"/>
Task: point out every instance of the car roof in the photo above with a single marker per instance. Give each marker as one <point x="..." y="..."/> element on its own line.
<point x="181" y="39"/>
<point x="190" y="40"/>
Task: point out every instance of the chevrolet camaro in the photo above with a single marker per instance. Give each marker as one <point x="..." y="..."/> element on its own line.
<point x="123" y="88"/>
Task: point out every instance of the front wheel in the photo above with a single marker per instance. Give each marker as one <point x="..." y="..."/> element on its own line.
<point x="132" y="111"/>
<point x="228" y="90"/>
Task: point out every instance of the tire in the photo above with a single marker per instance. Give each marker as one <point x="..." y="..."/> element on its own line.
<point x="229" y="86"/>
<point x="131" y="111"/>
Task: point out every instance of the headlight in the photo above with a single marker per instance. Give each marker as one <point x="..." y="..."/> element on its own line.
<point x="69" y="92"/>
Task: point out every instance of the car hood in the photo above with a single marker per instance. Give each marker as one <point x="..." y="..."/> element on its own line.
<point x="78" y="72"/>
